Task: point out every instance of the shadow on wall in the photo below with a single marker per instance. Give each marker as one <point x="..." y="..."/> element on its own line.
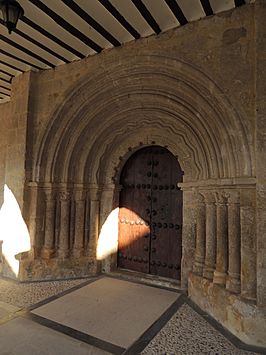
<point x="13" y="233"/>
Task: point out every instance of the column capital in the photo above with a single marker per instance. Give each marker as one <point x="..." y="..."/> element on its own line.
<point x="221" y="197"/>
<point x="199" y="197"/>
<point x="64" y="195"/>
<point x="209" y="197"/>
<point x="233" y="197"/>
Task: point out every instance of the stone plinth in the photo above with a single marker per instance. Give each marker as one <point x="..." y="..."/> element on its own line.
<point x="242" y="318"/>
<point x="56" y="268"/>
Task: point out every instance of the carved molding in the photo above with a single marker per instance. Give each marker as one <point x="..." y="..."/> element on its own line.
<point x="64" y="196"/>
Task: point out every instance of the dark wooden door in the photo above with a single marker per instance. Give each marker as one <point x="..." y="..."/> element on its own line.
<point x="150" y="214"/>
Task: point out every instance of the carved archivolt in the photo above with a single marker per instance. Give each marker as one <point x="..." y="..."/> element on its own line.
<point x="156" y="99"/>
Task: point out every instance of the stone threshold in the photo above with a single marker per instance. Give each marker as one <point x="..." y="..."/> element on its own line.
<point x="146" y="279"/>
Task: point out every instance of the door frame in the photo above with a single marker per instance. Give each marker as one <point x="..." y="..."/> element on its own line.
<point x="171" y="253"/>
<point x="108" y="196"/>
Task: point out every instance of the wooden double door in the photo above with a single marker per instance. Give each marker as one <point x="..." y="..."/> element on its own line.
<point x="150" y="214"/>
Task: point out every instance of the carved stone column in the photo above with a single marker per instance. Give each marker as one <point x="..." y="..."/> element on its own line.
<point x="94" y="222"/>
<point x="107" y="200"/>
<point x="210" y="253"/>
<point x="63" y="241"/>
<point x="78" y="248"/>
<point x="220" y="272"/>
<point x="94" y="228"/>
<point x="188" y="233"/>
<point x="248" y="244"/>
<point x="48" y="247"/>
<point x="233" y="279"/>
<point x="33" y="220"/>
<point x="200" y="236"/>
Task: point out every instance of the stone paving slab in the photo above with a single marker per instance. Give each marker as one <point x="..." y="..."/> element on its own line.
<point x="6" y="308"/>
<point x="115" y="311"/>
<point x="25" y="337"/>
<point x="7" y="312"/>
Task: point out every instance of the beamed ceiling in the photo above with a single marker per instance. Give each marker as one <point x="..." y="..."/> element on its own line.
<point x="54" y="32"/>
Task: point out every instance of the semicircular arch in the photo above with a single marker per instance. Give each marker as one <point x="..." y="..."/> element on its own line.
<point x="190" y="104"/>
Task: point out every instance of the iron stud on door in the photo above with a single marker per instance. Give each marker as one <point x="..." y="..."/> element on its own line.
<point x="152" y="206"/>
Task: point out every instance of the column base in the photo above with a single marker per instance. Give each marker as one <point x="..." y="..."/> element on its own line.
<point x="233" y="283"/>
<point x="47" y="253"/>
<point x="219" y="278"/>
<point x="208" y="272"/>
<point x="63" y="254"/>
<point x="249" y="295"/>
<point x="198" y="268"/>
<point x="78" y="252"/>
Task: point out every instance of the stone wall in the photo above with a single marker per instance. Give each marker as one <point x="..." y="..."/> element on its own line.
<point x="13" y="135"/>
<point x="261" y="149"/>
<point x="4" y="121"/>
<point x="191" y="90"/>
<point x="13" y="120"/>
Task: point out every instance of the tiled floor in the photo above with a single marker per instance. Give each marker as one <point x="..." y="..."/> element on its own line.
<point x="103" y="316"/>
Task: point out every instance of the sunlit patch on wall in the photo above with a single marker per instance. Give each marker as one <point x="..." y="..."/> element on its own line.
<point x="13" y="231"/>
<point x="107" y="242"/>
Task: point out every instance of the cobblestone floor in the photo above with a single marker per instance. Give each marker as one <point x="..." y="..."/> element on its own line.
<point x="25" y="294"/>
<point x="187" y="333"/>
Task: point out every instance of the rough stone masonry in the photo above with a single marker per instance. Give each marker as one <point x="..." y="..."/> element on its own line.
<point x="200" y="92"/>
